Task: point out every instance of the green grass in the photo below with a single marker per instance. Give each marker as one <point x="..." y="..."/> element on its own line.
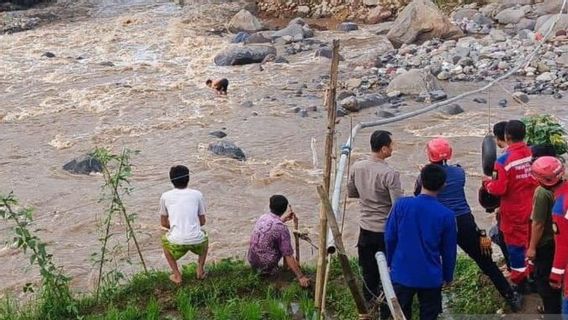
<point x="233" y="291"/>
<point x="472" y="292"/>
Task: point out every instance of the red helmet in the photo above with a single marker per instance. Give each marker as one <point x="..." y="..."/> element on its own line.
<point x="548" y="170"/>
<point x="439" y="149"/>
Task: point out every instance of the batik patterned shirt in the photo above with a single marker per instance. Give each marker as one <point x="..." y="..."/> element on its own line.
<point x="269" y="242"/>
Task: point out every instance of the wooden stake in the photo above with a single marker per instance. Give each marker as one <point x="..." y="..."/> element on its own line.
<point x="331" y="117"/>
<point x="343" y="260"/>
<point x="296" y="237"/>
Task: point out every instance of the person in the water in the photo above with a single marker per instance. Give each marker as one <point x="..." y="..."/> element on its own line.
<point x="220" y="85"/>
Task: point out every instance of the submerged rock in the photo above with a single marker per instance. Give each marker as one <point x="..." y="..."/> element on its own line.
<point x="239" y="55"/>
<point x="218" y="134"/>
<point x="452" y="109"/>
<point x="227" y="149"/>
<point x="414" y="82"/>
<point x="86" y="164"/>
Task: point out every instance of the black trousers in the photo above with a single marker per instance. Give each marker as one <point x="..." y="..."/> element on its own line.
<point x="468" y="240"/>
<point x="551" y="298"/>
<point x="368" y="244"/>
<point x="430" y="300"/>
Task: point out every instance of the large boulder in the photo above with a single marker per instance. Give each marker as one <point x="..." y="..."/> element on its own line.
<point x="239" y="55"/>
<point x="549" y="7"/>
<point x="244" y="21"/>
<point x="414" y="82"/>
<point x="512" y="15"/>
<point x="227" y="149"/>
<point x="543" y="23"/>
<point x="86" y="164"/>
<point x="378" y="14"/>
<point x="421" y="20"/>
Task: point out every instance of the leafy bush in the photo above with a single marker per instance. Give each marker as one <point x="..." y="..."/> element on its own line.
<point x="545" y="129"/>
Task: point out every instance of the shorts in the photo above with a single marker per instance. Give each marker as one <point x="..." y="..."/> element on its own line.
<point x="179" y="250"/>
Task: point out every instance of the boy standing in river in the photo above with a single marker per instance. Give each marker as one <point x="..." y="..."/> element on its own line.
<point x="182" y="212"/>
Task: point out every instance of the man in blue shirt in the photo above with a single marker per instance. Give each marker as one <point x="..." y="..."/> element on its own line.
<point x="473" y="241"/>
<point x="421" y="246"/>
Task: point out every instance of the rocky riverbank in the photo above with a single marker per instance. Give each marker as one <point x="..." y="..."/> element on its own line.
<point x="421" y="49"/>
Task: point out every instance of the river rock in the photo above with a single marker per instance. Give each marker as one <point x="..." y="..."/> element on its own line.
<point x="257" y="37"/>
<point x="482" y="20"/>
<point x="525" y="24"/>
<point x="294" y="30"/>
<point x="438" y="95"/>
<point x="414" y="82"/>
<point x="562" y="60"/>
<point x="549" y="7"/>
<point x="443" y="75"/>
<point x="218" y="134"/>
<point x="490" y="10"/>
<point x="350" y="104"/>
<point x="274" y="59"/>
<point x="326" y="52"/>
<point x="545" y="77"/>
<point x="543" y="23"/>
<point x="452" y="109"/>
<point x="344" y="94"/>
<point x="498" y="35"/>
<point x="463" y="13"/>
<point x="378" y="14"/>
<point x="511" y="15"/>
<point x="303" y="10"/>
<point x="421" y="20"/>
<point x="239" y="55"/>
<point x="241" y="37"/>
<point x="244" y="21"/>
<point x="382" y="28"/>
<point x="347" y="26"/>
<point x="86" y="164"/>
<point x="371" y="100"/>
<point x="384" y="114"/>
<point x="506" y="4"/>
<point x="298" y="21"/>
<point x="227" y="149"/>
<point x="520" y="97"/>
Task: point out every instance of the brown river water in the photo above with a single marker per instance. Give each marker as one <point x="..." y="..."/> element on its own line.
<point x="154" y="100"/>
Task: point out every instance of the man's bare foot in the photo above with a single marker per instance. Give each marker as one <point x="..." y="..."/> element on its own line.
<point x="176" y="278"/>
<point x="201" y="274"/>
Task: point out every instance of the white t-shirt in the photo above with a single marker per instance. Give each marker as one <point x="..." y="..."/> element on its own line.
<point x="183" y="208"/>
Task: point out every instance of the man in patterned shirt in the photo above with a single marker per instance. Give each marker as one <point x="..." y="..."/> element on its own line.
<point x="270" y="241"/>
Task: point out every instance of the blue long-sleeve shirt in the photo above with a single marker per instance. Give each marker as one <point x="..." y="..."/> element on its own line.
<point x="452" y="195"/>
<point x="421" y="238"/>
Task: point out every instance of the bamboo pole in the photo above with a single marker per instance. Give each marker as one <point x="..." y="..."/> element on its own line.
<point x="297" y="238"/>
<point x="331" y="117"/>
<point x="342" y="256"/>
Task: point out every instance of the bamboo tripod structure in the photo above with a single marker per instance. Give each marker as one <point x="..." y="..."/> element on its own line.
<point x="326" y="212"/>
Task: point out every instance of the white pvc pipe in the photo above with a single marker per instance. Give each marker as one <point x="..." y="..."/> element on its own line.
<point x="388" y="289"/>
